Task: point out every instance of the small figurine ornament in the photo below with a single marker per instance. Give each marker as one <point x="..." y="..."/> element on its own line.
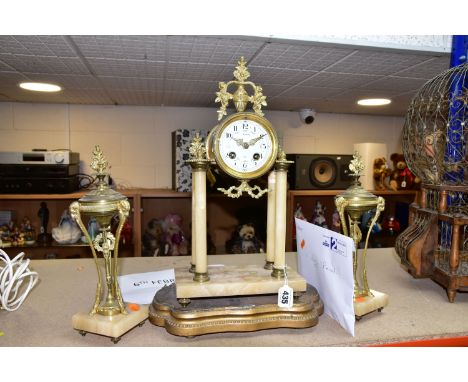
<point x="244" y="240"/>
<point x="336" y="223"/>
<point x="319" y="215"/>
<point x="67" y="231"/>
<point x="43" y="215"/>
<point x="28" y="231"/>
<point x="298" y="213"/>
<point x="391" y="226"/>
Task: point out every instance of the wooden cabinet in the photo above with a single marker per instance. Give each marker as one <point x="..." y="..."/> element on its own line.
<point x="395" y="203"/>
<point x="223" y="216"/>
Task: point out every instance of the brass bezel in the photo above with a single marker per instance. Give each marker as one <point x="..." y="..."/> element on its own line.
<point x="268" y="128"/>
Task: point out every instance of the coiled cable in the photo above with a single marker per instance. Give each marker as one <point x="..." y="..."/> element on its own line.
<point x="12" y="275"/>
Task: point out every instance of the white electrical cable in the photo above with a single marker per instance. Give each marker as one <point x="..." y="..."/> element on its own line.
<point x="12" y="275"/>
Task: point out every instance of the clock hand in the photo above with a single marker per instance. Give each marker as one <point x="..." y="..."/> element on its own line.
<point x="255" y="140"/>
<point x="239" y="141"/>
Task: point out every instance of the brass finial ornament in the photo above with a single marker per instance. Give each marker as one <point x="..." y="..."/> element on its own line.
<point x="351" y="205"/>
<point x="240" y="97"/>
<point x="103" y="204"/>
<point x="356" y="166"/>
<point x="99" y="162"/>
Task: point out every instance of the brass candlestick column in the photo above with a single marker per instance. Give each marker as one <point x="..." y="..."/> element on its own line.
<point x="281" y="189"/>
<point x="199" y="164"/>
<point x="351" y="205"/>
<point x="108" y="315"/>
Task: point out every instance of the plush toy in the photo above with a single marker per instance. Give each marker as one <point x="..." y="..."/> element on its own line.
<point x="401" y="177"/>
<point x="154" y="240"/>
<point x="318" y="217"/>
<point x="381" y="172"/>
<point x="244" y="240"/>
<point x="175" y="237"/>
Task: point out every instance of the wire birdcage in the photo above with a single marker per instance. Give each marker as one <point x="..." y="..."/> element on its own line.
<point x="434" y="145"/>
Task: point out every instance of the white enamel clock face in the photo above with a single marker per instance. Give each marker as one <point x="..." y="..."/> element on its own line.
<point x="246" y="146"/>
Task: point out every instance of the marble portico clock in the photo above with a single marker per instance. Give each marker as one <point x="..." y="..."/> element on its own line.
<point x="243" y="145"/>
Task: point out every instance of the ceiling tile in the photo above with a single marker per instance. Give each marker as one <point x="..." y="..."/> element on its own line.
<point x="376" y="62"/>
<point x="11" y="79"/>
<point x="210" y="49"/>
<point x="396" y="84"/>
<point x="339" y="80"/>
<point x="264" y="75"/>
<point x="427" y="70"/>
<point x="132" y="83"/>
<point x="136" y="97"/>
<point x="152" y="48"/>
<point x="311" y="92"/>
<point x="42" y="64"/>
<point x="302" y="57"/>
<point x="47" y="46"/>
<point x="205" y="72"/>
<point x="191" y="86"/>
<point x="127" y="68"/>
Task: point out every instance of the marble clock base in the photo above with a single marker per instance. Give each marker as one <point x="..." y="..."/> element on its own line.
<point x="232" y="314"/>
<point x="109" y="326"/>
<point x="231" y="280"/>
<point x="368" y="304"/>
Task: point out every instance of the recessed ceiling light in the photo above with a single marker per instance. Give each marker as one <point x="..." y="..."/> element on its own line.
<point x="40" y="87"/>
<point x="374" y="101"/>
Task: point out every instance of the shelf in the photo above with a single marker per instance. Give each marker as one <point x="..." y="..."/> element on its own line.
<point x="222" y="212"/>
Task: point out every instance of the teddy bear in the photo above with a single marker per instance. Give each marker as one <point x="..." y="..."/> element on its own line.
<point x="381" y="172"/>
<point x="244" y="240"/>
<point x="401" y="177"/>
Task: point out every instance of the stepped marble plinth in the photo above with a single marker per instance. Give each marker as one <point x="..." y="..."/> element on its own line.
<point x="233" y="280"/>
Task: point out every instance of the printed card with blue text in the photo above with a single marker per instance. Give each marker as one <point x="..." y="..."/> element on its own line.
<point x="325" y="260"/>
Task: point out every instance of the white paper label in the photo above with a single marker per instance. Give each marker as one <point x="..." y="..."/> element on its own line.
<point x="403" y="184"/>
<point x="285" y="297"/>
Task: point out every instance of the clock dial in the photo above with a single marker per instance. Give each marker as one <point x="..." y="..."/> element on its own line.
<point x="246" y="146"/>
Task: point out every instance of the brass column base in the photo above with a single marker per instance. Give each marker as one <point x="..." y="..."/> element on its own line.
<point x="232" y="314"/>
<point x="277" y="273"/>
<point x="268" y="265"/>
<point x="192" y="268"/>
<point x="201" y="277"/>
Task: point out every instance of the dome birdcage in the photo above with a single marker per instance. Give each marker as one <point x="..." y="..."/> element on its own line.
<point x="435" y="130"/>
<point x="435" y="244"/>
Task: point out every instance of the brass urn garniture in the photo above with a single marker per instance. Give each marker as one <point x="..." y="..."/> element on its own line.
<point x="351" y="205"/>
<point x="108" y="316"/>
